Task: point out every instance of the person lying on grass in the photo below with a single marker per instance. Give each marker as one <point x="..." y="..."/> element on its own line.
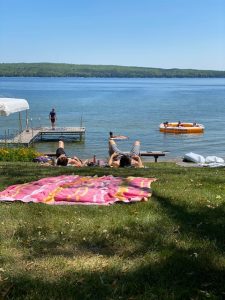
<point x="120" y="159"/>
<point x="63" y="160"/>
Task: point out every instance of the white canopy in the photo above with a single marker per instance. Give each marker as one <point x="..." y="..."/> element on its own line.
<point x="12" y="105"/>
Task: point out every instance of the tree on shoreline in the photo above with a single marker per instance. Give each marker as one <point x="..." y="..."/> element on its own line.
<point x="101" y="71"/>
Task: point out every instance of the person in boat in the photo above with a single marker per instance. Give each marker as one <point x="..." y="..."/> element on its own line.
<point x="63" y="160"/>
<point x="179" y="124"/>
<point x="52" y="117"/>
<point x="166" y="124"/>
<point x="120" y="159"/>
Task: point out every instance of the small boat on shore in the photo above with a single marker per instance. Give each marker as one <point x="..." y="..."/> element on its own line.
<point x="179" y="127"/>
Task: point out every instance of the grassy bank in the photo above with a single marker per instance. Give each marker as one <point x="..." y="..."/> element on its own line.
<point x="171" y="247"/>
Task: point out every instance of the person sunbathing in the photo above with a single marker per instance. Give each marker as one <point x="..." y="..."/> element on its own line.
<point x="63" y="160"/>
<point x="121" y="159"/>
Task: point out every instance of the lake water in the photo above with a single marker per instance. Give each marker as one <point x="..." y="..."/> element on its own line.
<point x="132" y="107"/>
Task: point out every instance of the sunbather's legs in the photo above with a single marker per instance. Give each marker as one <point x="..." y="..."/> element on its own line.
<point x="61" y="144"/>
<point x="60" y="149"/>
<point x="59" y="152"/>
<point x="134" y="151"/>
<point x="113" y="148"/>
<point x="136" y="148"/>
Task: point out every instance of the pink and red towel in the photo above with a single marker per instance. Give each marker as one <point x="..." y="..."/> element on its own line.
<point x="74" y="189"/>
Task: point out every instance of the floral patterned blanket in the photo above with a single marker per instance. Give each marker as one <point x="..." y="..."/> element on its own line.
<point x="74" y="189"/>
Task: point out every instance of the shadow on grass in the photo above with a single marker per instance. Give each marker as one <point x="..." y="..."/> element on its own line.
<point x="175" y="273"/>
<point x="204" y="222"/>
<point x="179" y="276"/>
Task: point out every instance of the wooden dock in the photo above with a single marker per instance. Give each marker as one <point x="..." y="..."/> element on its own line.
<point x="32" y="135"/>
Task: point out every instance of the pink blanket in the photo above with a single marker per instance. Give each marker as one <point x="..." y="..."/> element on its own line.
<point x="74" y="189"/>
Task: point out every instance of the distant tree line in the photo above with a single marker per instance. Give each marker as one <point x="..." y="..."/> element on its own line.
<point x="73" y="70"/>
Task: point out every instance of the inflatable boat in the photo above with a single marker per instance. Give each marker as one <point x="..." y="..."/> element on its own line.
<point x="179" y="127"/>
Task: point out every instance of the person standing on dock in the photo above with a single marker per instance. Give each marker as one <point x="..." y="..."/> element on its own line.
<point x="52" y="117"/>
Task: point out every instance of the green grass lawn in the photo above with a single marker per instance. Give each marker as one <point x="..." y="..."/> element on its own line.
<point x="171" y="247"/>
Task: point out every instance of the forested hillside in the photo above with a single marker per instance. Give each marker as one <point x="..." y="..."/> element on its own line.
<point x="72" y="70"/>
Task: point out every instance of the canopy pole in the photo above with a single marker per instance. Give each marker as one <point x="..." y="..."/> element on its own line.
<point x="27" y="121"/>
<point x="20" y="122"/>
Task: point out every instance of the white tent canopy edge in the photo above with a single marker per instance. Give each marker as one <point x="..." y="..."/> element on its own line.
<point x="12" y="105"/>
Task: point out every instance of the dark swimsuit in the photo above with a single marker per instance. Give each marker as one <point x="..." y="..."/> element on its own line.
<point x="52" y="116"/>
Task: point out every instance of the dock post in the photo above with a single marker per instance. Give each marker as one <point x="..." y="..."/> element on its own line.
<point x="32" y="127"/>
<point x="5" y="138"/>
<point x="81" y="125"/>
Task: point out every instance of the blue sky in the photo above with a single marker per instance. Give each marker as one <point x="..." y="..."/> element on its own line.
<point x="150" y="33"/>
